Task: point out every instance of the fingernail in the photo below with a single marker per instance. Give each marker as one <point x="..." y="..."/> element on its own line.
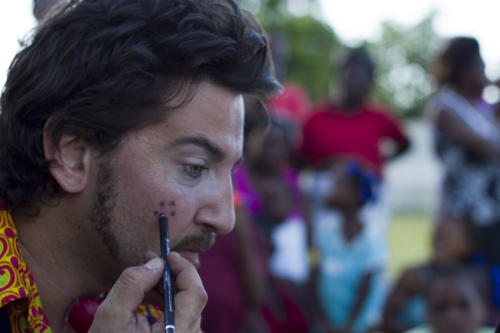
<point x="154" y="264"/>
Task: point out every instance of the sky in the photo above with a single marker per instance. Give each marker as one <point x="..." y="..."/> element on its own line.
<point x="352" y="20"/>
<point x="15" y="22"/>
<point x="355" y="20"/>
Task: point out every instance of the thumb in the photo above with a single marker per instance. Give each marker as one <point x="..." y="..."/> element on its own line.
<point x="128" y="291"/>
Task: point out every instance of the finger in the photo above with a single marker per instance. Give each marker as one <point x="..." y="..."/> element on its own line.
<point x="150" y="255"/>
<point x="191" y="297"/>
<point x="186" y="275"/>
<point x="142" y="324"/>
<point x="154" y="296"/>
<point x="128" y="291"/>
<point x="159" y="326"/>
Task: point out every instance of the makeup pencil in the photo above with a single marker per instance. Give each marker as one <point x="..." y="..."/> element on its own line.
<point x="167" y="278"/>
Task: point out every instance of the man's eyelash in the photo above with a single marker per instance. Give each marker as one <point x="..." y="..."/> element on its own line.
<point x="190" y="170"/>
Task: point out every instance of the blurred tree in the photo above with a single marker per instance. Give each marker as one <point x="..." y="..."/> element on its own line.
<point x="402" y="55"/>
<point x="272" y="11"/>
<point x="312" y="44"/>
<point x="312" y="47"/>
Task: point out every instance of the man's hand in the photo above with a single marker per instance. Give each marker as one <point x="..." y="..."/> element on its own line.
<point x="190" y="296"/>
<point x="117" y="313"/>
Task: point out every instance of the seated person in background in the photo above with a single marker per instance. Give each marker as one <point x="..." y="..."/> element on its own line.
<point x="349" y="278"/>
<point x="453" y="242"/>
<point x="455" y="302"/>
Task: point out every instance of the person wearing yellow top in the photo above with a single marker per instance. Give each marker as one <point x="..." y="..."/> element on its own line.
<point x="116" y="112"/>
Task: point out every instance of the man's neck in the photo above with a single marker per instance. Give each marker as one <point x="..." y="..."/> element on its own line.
<point x="64" y="264"/>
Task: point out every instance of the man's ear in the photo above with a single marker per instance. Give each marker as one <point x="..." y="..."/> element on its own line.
<point x="70" y="160"/>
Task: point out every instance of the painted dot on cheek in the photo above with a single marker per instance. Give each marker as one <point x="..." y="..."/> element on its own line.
<point x="162" y="203"/>
<point x="155" y="213"/>
<point x="172" y="214"/>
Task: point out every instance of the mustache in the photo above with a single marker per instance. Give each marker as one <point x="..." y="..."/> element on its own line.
<point x="196" y="243"/>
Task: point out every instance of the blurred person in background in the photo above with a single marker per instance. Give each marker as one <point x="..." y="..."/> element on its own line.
<point x="292" y="104"/>
<point x="270" y="184"/>
<point x="267" y="253"/>
<point x="233" y="274"/>
<point x="352" y="127"/>
<point x="497" y="106"/>
<point x="455" y="297"/>
<point x="280" y="208"/>
<point x="467" y="141"/>
<point x="453" y="242"/>
<point x="349" y="281"/>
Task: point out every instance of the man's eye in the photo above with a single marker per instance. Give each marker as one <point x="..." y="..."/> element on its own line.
<point x="194" y="171"/>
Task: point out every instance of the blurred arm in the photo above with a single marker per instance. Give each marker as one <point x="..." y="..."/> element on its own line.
<point x="457" y="131"/>
<point x="405" y="289"/>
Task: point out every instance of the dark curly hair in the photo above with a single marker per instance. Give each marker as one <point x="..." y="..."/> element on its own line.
<point x="360" y="56"/>
<point x="457" y="57"/>
<point x="101" y="68"/>
<point x="42" y="7"/>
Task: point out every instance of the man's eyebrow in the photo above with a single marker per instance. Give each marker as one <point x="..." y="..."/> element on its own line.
<point x="212" y="148"/>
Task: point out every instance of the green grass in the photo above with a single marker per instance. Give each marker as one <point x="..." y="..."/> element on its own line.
<point x="409" y="240"/>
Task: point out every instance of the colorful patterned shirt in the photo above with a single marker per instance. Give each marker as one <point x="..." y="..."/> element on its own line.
<point x="18" y="291"/>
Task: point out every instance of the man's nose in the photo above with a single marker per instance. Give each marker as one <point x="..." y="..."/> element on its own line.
<point x="217" y="210"/>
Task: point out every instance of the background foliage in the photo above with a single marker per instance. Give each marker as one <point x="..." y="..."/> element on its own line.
<point x="402" y="54"/>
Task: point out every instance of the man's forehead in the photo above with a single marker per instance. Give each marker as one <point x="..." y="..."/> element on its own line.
<point x="212" y="119"/>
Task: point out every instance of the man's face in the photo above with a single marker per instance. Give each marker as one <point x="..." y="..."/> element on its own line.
<point x="180" y="167"/>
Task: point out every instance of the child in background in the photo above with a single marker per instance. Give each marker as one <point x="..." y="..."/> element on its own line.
<point x="268" y="187"/>
<point x="455" y="302"/>
<point x="243" y="296"/>
<point x="453" y="242"/>
<point x="349" y="279"/>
